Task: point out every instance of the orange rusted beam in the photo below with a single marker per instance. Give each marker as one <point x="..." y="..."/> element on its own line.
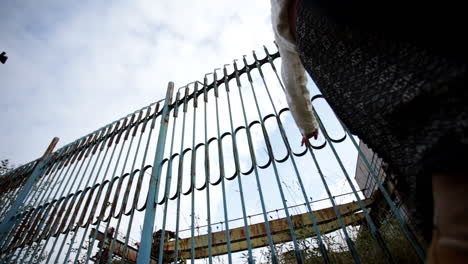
<point x="280" y="237"/>
<point x="302" y="223"/>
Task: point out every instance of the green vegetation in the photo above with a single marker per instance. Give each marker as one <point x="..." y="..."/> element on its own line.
<point x="366" y="246"/>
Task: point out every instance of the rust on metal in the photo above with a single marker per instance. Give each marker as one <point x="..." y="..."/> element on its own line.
<point x="84" y="147"/>
<point x="226" y="81"/>
<point x="145" y="121"/>
<point x="186" y="98"/>
<point x="73" y="154"/>
<point x="130" y="126"/>
<point x="98" y="140"/>
<point x="51" y="147"/>
<point x="156" y="109"/>
<point x="326" y="218"/>
<point x="122" y="130"/>
<point x="195" y="96"/>
<point x="104" y="138"/>
<point x="116" y="196"/>
<point x="116" y="128"/>
<point x="205" y="92"/>
<point x="140" y="115"/>
<point x="105" y="203"/>
<point x="176" y="104"/>
<point x="96" y="201"/>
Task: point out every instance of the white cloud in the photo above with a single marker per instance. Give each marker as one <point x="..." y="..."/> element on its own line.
<point x="74" y="67"/>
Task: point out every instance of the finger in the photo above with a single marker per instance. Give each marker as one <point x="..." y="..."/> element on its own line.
<point x="315" y="134"/>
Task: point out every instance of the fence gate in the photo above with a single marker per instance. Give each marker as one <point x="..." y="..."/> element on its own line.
<point x="211" y="173"/>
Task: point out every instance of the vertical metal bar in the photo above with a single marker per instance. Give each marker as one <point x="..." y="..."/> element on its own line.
<point x="140" y="178"/>
<point x="82" y="195"/>
<point x="374" y="231"/>
<point x="21" y="176"/>
<point x="70" y="207"/>
<point x="168" y="184"/>
<point x="122" y="209"/>
<point x="297" y="252"/>
<point x="27" y="237"/>
<point x="46" y="209"/>
<point x="321" y="245"/>
<point x="180" y="176"/>
<point x="153" y="189"/>
<point x="54" y="179"/>
<point x="192" y="175"/>
<point x="274" y="258"/>
<point x="100" y="215"/>
<point x="404" y="226"/>
<point x="10" y="190"/>
<point x="88" y="223"/>
<point x="348" y="240"/>
<point x="38" y="171"/>
<point x="50" y="220"/>
<point x="85" y="147"/>
<point x="207" y="171"/>
<point x="109" y="190"/>
<point x="37" y="189"/>
<point x="9" y="185"/>
<point x="41" y="200"/>
<point x="221" y="171"/>
<point x="58" y="212"/>
<point x="238" y="170"/>
<point x="22" y="213"/>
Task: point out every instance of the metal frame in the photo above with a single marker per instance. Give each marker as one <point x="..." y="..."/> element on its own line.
<point x="53" y="208"/>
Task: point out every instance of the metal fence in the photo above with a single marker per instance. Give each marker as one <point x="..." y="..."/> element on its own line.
<point x="212" y="174"/>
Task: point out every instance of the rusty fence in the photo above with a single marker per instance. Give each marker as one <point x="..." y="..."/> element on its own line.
<point x="211" y="173"/>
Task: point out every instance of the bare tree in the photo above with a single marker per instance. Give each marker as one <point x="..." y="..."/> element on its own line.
<point x="5" y="166"/>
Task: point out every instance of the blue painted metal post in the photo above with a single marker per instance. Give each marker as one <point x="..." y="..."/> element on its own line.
<point x="37" y="172"/>
<point x="150" y="213"/>
<point x="403" y="225"/>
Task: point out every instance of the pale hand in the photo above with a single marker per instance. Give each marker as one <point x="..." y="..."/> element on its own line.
<point x="305" y="138"/>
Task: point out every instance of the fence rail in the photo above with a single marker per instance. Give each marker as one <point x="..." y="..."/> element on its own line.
<point x="224" y="148"/>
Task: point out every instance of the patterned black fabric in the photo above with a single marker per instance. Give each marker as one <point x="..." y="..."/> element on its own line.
<point x="405" y="102"/>
<point x="399" y="98"/>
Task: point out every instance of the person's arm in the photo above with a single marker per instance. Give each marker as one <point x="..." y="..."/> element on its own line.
<point x="293" y="73"/>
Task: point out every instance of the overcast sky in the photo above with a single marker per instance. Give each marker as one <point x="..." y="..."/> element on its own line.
<point x="75" y="66"/>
